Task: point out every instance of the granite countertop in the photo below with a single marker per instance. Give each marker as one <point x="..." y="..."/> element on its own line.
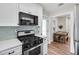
<point x="6" y="44"/>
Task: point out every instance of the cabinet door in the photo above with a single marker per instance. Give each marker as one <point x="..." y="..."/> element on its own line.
<point x="45" y="47"/>
<point x="28" y="8"/>
<point x="8" y="14"/>
<point x="23" y="7"/>
<point x="33" y="9"/>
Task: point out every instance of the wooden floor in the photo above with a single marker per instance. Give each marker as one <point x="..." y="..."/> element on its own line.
<point x="58" y="49"/>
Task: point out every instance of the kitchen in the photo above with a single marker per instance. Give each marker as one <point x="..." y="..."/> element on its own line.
<point x="27" y="28"/>
<point x="15" y="29"/>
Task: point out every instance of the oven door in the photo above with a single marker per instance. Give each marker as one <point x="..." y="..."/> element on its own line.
<point x="37" y="50"/>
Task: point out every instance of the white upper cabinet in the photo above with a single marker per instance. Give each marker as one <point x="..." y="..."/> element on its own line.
<point x="28" y="8"/>
<point x="8" y="14"/>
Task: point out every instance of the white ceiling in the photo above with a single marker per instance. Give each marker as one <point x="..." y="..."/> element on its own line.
<point x="53" y="7"/>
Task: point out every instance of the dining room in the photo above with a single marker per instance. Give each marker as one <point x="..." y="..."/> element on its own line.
<point x="61" y="36"/>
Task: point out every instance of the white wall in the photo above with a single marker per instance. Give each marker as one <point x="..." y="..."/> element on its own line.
<point x="50" y="30"/>
<point x="71" y="32"/>
<point x="68" y="25"/>
<point x="62" y="21"/>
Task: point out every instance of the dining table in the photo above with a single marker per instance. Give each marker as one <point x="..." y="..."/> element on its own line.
<point x="60" y="36"/>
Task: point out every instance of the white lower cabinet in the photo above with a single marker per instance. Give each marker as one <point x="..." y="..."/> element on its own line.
<point x="12" y="51"/>
<point x="45" y="46"/>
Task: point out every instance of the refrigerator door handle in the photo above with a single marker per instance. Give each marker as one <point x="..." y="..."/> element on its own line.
<point x="76" y="40"/>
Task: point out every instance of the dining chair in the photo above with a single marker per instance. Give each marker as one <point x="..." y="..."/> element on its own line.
<point x="57" y="38"/>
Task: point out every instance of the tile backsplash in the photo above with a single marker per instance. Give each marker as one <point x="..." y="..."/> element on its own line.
<point x="9" y="32"/>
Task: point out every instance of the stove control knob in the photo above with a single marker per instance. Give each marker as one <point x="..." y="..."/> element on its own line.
<point x="39" y="41"/>
<point x="28" y="46"/>
<point x="31" y="45"/>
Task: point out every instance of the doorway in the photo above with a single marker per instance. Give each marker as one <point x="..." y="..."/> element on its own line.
<point x="60" y="48"/>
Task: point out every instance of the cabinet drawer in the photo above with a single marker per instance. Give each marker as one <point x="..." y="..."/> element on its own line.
<point x="12" y="51"/>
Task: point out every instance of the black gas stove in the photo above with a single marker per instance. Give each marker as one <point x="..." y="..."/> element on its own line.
<point x="29" y="40"/>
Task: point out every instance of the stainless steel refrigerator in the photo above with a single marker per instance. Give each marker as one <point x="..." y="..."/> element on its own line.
<point x="76" y="29"/>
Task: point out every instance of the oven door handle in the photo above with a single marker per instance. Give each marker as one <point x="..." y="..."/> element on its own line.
<point x="35" y="47"/>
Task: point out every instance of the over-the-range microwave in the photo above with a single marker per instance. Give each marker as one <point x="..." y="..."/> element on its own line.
<point x="27" y="19"/>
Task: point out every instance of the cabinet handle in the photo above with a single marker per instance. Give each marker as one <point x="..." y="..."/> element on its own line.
<point x="11" y="52"/>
